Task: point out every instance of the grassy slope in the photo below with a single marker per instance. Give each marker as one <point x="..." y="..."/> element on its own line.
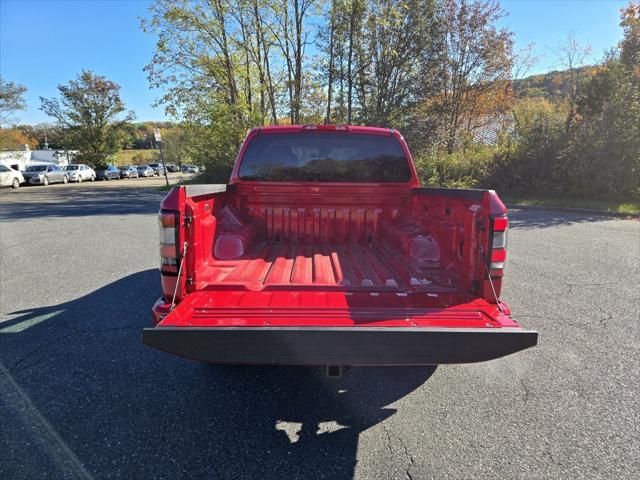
<point x="125" y="157"/>
<point x="630" y="206"/>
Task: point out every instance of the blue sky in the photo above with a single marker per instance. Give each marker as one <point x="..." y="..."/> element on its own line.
<point x="47" y="42"/>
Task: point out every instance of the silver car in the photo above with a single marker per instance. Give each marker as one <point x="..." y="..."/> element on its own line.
<point x="79" y="172"/>
<point x="44" y="175"/>
<point x="158" y="169"/>
<point x="146" y="171"/>
<point x="128" y="171"/>
<point x="10" y="177"/>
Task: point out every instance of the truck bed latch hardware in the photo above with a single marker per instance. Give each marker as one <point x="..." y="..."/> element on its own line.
<point x="485" y="261"/>
<point x="175" y="290"/>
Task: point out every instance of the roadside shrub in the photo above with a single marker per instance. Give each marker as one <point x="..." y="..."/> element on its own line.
<point x="138" y="158"/>
<point x="215" y="173"/>
<point x="598" y="155"/>
<point x="470" y="166"/>
<point x="212" y="135"/>
<point x="529" y="160"/>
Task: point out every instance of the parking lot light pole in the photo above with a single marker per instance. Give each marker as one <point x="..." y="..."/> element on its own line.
<point x="66" y="147"/>
<point x="158" y="137"/>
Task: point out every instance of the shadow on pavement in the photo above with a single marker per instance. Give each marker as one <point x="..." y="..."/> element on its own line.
<point x="82" y="395"/>
<point x="523" y="219"/>
<point x="80" y="201"/>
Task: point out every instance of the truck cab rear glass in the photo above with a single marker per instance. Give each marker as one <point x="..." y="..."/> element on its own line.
<point x="325" y="157"/>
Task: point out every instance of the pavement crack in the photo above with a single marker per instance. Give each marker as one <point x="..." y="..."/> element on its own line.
<point x="541" y="275"/>
<point x="601" y="284"/>
<point x="107" y="329"/>
<point x="525" y="389"/>
<point x="608" y="316"/>
<point x="410" y="460"/>
<point x="407" y="454"/>
<point x="36" y="361"/>
<point x="389" y="442"/>
<point x="37" y="350"/>
<point x="529" y="315"/>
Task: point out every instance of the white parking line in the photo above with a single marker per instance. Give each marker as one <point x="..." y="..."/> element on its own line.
<point x="31" y="322"/>
<point x="43" y="432"/>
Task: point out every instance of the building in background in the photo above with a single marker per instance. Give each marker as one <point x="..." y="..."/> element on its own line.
<point x="21" y="159"/>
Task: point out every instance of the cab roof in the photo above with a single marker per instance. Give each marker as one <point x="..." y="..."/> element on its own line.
<point x="324" y="128"/>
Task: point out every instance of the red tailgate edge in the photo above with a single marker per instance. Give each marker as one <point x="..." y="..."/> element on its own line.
<point x="335" y="328"/>
<point x="222" y="308"/>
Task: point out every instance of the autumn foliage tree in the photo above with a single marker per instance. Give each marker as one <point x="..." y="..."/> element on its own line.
<point x="604" y="141"/>
<point x="11" y="100"/>
<point x="92" y="115"/>
<point x="442" y="71"/>
<point x="582" y="139"/>
<point x="14" y="139"/>
<point x="474" y="67"/>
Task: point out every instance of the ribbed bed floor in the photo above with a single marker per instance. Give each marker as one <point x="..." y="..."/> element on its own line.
<point x="367" y="267"/>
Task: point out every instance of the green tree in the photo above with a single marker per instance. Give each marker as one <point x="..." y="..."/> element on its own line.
<point x="49" y="136"/>
<point x="92" y="113"/>
<point x="583" y="139"/>
<point x="175" y="146"/>
<point x="374" y="56"/>
<point x="572" y="55"/>
<point x="215" y="61"/>
<point x="397" y="41"/>
<point x="474" y="65"/>
<point x="11" y="100"/>
<point x="604" y="143"/>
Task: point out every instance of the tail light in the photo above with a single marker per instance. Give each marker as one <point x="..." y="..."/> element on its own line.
<point x="499" y="227"/>
<point x="169" y="232"/>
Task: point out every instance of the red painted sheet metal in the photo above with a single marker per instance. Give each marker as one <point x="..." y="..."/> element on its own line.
<point x="311" y="308"/>
<point x="369" y="267"/>
<point x="319" y="224"/>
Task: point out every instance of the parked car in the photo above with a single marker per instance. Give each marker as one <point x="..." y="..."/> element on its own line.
<point x="190" y="169"/>
<point x="407" y="275"/>
<point x="108" y="173"/>
<point x="172" y="168"/>
<point x="128" y="171"/>
<point x="145" y="171"/>
<point x="44" y="175"/>
<point x="157" y="168"/>
<point x="10" y="177"/>
<point x="79" y="172"/>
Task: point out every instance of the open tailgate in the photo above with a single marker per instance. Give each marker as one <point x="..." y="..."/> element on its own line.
<point x="334" y="328"/>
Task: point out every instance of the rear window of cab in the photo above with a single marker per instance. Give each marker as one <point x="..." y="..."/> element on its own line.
<point x="325" y="157"/>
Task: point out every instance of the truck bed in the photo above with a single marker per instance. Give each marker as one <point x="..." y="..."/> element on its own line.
<point x="333" y="304"/>
<point x="332" y="275"/>
<point x="375" y="267"/>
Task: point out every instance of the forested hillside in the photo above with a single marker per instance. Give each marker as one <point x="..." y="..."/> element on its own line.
<point x="551" y="85"/>
<point x="443" y="72"/>
<point x="440" y="71"/>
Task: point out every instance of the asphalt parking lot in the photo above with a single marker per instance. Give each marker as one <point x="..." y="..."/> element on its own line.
<point x="156" y="181"/>
<point x="81" y="397"/>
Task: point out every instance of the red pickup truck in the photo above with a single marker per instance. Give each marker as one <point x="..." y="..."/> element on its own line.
<point x="324" y="250"/>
